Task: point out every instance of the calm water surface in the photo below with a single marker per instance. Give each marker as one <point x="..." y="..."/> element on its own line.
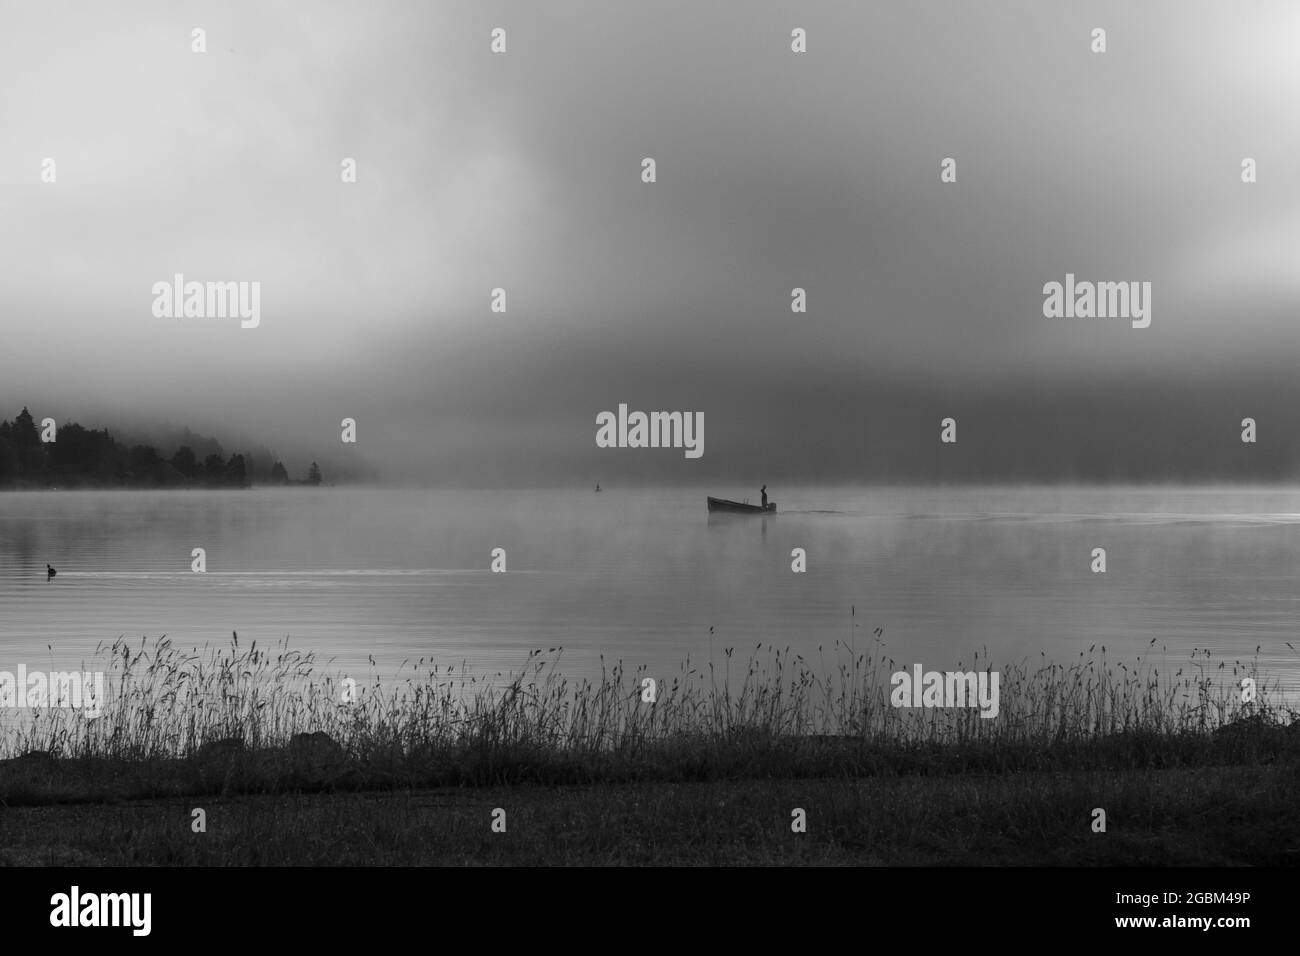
<point x="642" y="575"/>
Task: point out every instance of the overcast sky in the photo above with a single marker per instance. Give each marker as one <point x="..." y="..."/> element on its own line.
<point x="775" y="170"/>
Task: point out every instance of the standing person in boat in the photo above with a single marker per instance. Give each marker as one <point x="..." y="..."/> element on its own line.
<point x="763" y="492"/>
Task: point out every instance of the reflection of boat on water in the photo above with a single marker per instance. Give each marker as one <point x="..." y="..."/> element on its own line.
<point x="741" y="508"/>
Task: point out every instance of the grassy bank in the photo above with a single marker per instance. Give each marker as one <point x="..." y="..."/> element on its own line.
<point x="295" y="768"/>
<point x="1210" y="816"/>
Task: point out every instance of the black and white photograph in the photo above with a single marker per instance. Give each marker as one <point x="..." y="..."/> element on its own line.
<point x="649" y="435"/>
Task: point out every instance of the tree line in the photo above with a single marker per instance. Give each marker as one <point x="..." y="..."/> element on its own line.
<point x="87" y="457"/>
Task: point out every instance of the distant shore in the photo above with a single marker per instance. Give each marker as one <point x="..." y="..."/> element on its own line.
<point x="37" y="455"/>
<point x="111" y="487"/>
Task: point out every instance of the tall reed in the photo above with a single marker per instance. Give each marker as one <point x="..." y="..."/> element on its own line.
<point x="165" y="702"/>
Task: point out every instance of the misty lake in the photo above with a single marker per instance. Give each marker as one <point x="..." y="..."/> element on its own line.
<point x="642" y="575"/>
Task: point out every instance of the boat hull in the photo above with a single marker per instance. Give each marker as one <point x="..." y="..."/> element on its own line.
<point x="740" y="508"/>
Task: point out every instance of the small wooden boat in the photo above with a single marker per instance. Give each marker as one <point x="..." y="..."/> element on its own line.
<point x="741" y="508"/>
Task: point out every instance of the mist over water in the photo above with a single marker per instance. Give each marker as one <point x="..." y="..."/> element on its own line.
<point x="817" y="171"/>
<point x="642" y="575"/>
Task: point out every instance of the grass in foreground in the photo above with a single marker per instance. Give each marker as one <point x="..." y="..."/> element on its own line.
<point x="290" y="771"/>
<point x="241" y="720"/>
